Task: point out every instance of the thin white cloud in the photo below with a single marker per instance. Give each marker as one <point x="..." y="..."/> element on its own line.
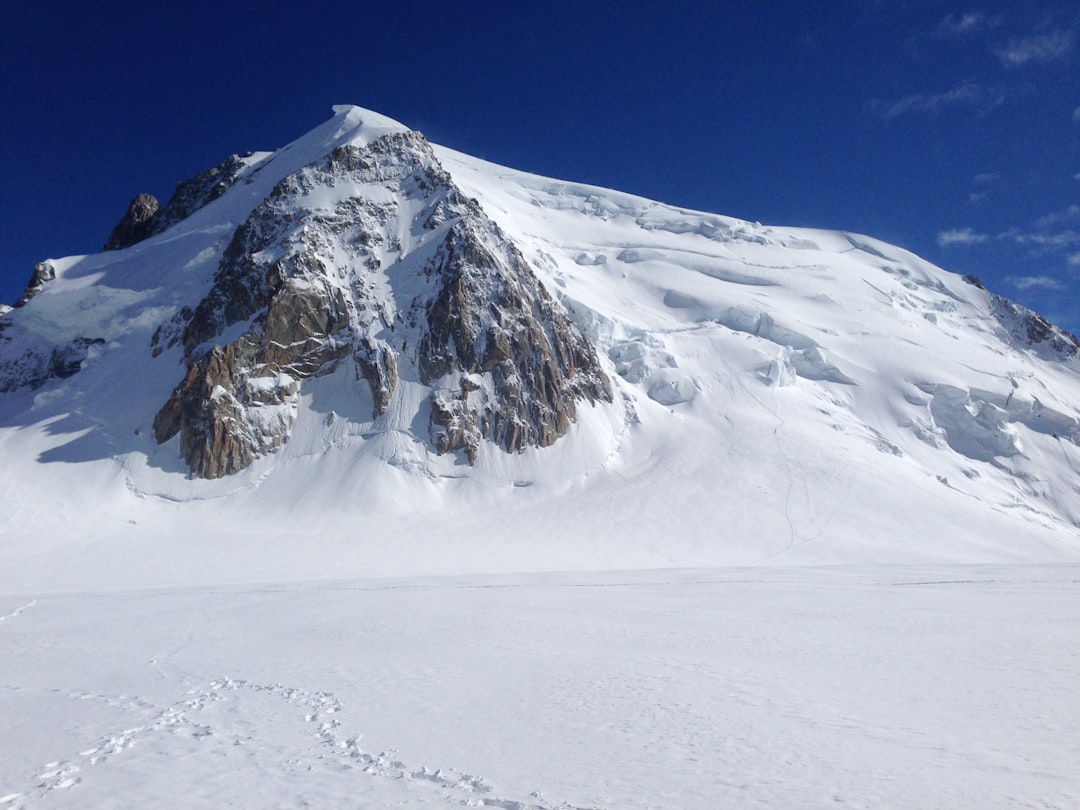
<point x="960" y="236"/>
<point x="1027" y="282"/>
<point x="1074" y="260"/>
<point x="968" y="94"/>
<point x="1055" y="232"/>
<point x="1048" y="235"/>
<point x="1036" y="49"/>
<point x="1061" y="239"/>
<point x="1041" y="241"/>
<point x="960" y="25"/>
<point x="1076" y="115"/>
<point x="983" y="183"/>
<point x="1070" y="214"/>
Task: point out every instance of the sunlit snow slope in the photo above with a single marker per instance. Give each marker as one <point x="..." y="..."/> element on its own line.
<point x="782" y="395"/>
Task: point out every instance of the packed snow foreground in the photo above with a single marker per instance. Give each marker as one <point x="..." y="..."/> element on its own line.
<point x="289" y="469"/>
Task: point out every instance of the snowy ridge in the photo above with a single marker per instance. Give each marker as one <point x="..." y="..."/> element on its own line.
<point x="781" y="394"/>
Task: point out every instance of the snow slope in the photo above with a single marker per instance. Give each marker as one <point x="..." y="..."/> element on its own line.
<point x="783" y="395"/>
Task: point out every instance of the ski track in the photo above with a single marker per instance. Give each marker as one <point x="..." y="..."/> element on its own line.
<point x="183" y="719"/>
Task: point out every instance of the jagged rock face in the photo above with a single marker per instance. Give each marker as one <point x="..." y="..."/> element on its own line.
<point x="210" y="410"/>
<point x="136" y="223"/>
<point x="373" y="254"/>
<point x="145" y="218"/>
<point x="38" y="363"/>
<point x="522" y="365"/>
<point x="1030" y="330"/>
<point x="43" y="273"/>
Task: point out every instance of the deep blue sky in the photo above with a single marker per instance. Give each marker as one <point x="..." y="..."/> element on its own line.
<point x="952" y="129"/>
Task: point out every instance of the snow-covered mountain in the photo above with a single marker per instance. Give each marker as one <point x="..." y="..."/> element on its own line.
<point x="370" y="349"/>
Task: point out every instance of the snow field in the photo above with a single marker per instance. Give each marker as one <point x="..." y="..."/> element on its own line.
<point x="944" y="687"/>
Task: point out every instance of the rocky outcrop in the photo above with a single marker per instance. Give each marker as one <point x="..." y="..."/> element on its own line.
<point x="37" y="363"/>
<point x="145" y="217"/>
<point x="395" y="271"/>
<point x="1029" y="330"/>
<point x="238" y="402"/>
<point x="28" y="359"/>
<point x="43" y="273"/>
<point x="136" y="225"/>
<point x="214" y="406"/>
<point x="520" y="363"/>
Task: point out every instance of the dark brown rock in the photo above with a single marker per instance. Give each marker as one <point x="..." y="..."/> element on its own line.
<point x="1032" y="331"/>
<point x="136" y="224"/>
<point x="145" y="217"/>
<point x="503" y="360"/>
<point x="379" y="367"/>
<point x="492" y="315"/>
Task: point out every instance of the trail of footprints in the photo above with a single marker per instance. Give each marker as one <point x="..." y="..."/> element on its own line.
<point x="318" y="709"/>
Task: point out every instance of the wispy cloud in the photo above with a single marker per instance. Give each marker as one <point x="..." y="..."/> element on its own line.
<point x="983" y="183"/>
<point x="1076" y="115"/>
<point x="1070" y="214"/>
<point x="955" y="26"/>
<point x="1061" y="239"/>
<point x="969" y="94"/>
<point x="1027" y="282"/>
<point x="960" y="236"/>
<point x="1051" y="233"/>
<point x="1037" y="48"/>
<point x="1074" y="260"/>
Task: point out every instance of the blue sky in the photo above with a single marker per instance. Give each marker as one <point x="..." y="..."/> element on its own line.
<point x="952" y="129"/>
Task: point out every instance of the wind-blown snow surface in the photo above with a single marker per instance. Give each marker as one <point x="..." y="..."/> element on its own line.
<point x="951" y="687"/>
<point x="784" y="398"/>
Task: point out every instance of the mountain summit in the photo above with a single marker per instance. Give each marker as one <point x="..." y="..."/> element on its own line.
<point x="364" y="329"/>
<point x="373" y="254"/>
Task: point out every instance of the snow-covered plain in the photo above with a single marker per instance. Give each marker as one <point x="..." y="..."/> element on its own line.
<point x="950" y="687"/>
<point x="821" y="550"/>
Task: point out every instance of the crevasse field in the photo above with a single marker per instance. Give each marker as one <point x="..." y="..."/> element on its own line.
<point x="821" y="549"/>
